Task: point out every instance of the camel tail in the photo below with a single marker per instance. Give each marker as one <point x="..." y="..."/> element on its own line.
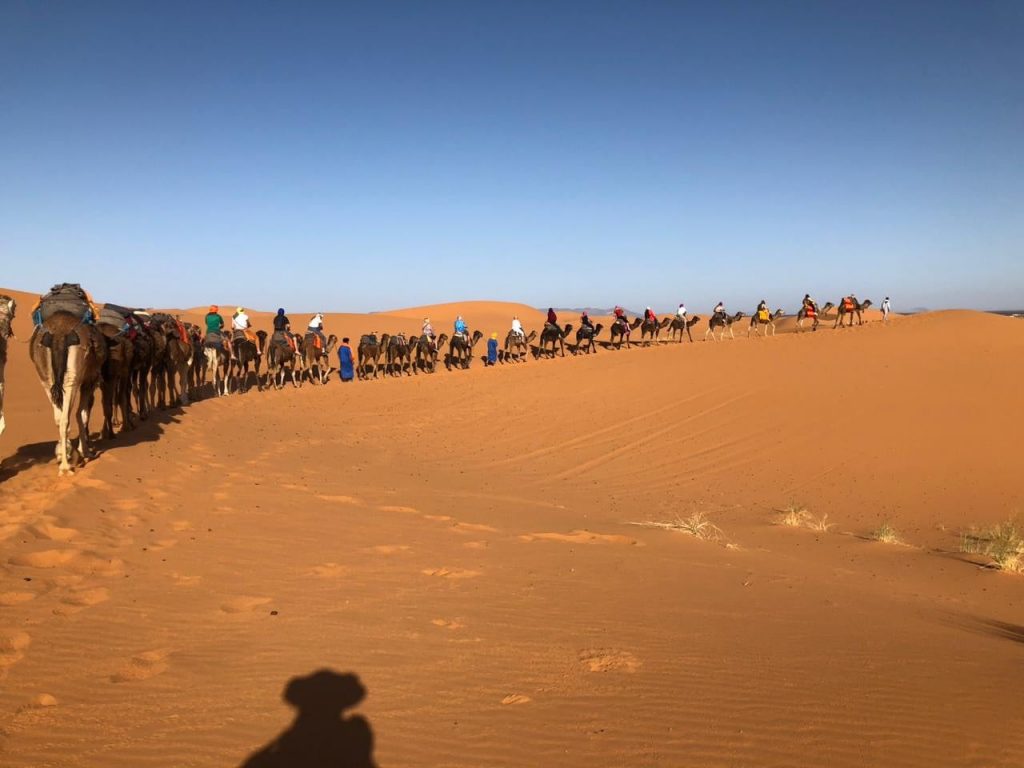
<point x="59" y="365"/>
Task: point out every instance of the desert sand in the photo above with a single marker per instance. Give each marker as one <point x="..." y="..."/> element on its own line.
<point x="466" y="544"/>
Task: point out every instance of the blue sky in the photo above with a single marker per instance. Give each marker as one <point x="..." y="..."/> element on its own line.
<point x="368" y="156"/>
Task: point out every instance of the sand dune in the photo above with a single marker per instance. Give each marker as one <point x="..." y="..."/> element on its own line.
<point x="465" y="543"/>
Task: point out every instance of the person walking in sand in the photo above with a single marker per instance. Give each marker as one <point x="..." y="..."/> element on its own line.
<point x="346" y="362"/>
<point x="492" y="349"/>
<point x="886" y="309"/>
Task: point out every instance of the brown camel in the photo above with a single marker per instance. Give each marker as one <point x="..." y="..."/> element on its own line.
<point x="69" y="357"/>
<point x="197" y="370"/>
<point x="460" y="350"/>
<point x="282" y="359"/>
<point x="757" y="320"/>
<point x="619" y="332"/>
<point x="586" y="339"/>
<point x="314" y="356"/>
<point x="142" y="363"/>
<point x="170" y="374"/>
<point x="517" y="346"/>
<point x="116" y="377"/>
<point x="247" y="352"/>
<point x="426" y="353"/>
<point x="814" y="313"/>
<point x="7" y="309"/>
<point x="680" y="325"/>
<point x="218" y="362"/>
<point x="652" y="329"/>
<point x="552" y="335"/>
<point x="398" y="356"/>
<point x="850" y="306"/>
<point x="723" y="322"/>
<point x="368" y="352"/>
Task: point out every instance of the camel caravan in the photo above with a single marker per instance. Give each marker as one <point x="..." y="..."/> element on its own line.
<point x="140" y="360"/>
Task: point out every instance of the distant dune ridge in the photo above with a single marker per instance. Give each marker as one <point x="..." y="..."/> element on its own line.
<point x="568" y="562"/>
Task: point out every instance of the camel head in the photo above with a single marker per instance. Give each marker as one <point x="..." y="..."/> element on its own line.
<point x="693" y="321"/>
<point x="636" y="323"/>
<point x="865" y="304"/>
<point x="597" y="329"/>
<point x="531" y="336"/>
<point x="665" y="321"/>
<point x="477" y="335"/>
<point x="568" y="327"/>
<point x="778" y="313"/>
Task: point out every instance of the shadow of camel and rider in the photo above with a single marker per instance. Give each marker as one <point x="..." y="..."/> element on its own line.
<point x="320" y="736"/>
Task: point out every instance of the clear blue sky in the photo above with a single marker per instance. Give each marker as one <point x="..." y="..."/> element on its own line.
<point x="375" y="155"/>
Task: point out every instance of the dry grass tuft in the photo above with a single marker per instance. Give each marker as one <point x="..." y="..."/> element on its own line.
<point x="886" y="534"/>
<point x="797" y="516"/>
<point x="1003" y="543"/>
<point x="697" y="525"/>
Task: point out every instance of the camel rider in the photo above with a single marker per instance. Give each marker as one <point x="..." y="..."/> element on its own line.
<point x="460" y="328"/>
<point x="240" y="324"/>
<point x="316" y="327"/>
<point x="681" y="312"/>
<point x="620" y="318"/>
<point x="809" y="304"/>
<point x="650" y="317"/>
<point x="552" y="319"/>
<point x="517" y="327"/>
<point x="586" y="322"/>
<point x="428" y="332"/>
<point x="719" y="311"/>
<point x="282" y="330"/>
<point x="762" y="310"/>
<point x="215" y="330"/>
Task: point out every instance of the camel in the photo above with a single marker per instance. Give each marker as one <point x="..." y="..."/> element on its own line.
<point x="517" y="346"/>
<point x="247" y="352"/>
<point x="552" y="335"/>
<point x="725" y="323"/>
<point x="116" y="378"/>
<point x="368" y="352"/>
<point x="197" y="371"/>
<point x="171" y="373"/>
<point x="282" y="359"/>
<point x="7" y="308"/>
<point x="679" y="325"/>
<point x="398" y="357"/>
<point x="756" y="321"/>
<point x="618" y="333"/>
<point x="314" y="356"/>
<point x="426" y="353"/>
<point x="803" y="314"/>
<point x="143" y="360"/>
<point x="586" y="339"/>
<point x="69" y="356"/>
<point x="219" y="362"/>
<point x="460" y="351"/>
<point x="849" y="306"/>
<point x="652" y="329"/>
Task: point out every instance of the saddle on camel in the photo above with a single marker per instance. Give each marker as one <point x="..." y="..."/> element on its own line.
<point x="65" y="297"/>
<point x="123" y="318"/>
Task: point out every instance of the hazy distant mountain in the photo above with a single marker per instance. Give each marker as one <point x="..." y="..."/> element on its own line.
<point x="596" y="311"/>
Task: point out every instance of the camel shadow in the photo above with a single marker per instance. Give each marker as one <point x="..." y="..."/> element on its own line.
<point x="320" y="736"/>
<point x="33" y="454"/>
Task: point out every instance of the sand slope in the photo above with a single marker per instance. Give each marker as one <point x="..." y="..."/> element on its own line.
<point x="462" y="543"/>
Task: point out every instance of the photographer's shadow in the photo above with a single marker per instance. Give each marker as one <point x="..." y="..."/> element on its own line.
<point x="320" y="736"/>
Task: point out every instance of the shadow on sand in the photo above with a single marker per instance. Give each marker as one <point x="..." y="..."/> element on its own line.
<point x="320" y="736"/>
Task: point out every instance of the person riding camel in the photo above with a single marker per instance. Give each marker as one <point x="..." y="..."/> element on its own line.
<point x="517" y="328"/>
<point x="586" y="322"/>
<point x="762" y="310"/>
<point x="553" y="320"/>
<point x="282" y="330"/>
<point x="240" y="324"/>
<point x="719" y="310"/>
<point x="620" y="318"/>
<point x="215" y="330"/>
<point x="460" y="328"/>
<point x="316" y="327"/>
<point x="650" y="317"/>
<point x="681" y="312"/>
<point x="428" y="333"/>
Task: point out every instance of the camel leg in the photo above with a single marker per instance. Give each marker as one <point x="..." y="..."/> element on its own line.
<point x="82" y="413"/>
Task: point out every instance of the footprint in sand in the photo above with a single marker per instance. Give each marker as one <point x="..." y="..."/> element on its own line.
<point x="447" y="623"/>
<point x="48" y="558"/>
<point x="477" y="544"/>
<point x="328" y="570"/>
<point x="244" y="604"/>
<point x="52" y="532"/>
<point x="451" y="573"/>
<point x="181" y="525"/>
<point x="162" y="544"/>
<point x="85" y="597"/>
<point x="92" y="564"/>
<point x="581" y="537"/>
<point x="398" y="508"/>
<point x="8" y="599"/>
<point x="338" y="499"/>
<point x="608" y="660"/>
<point x="474" y="528"/>
<point x="389" y="549"/>
<point x="142" y="666"/>
<point x="516" y="698"/>
<point x="182" y="580"/>
<point x="12" y="648"/>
